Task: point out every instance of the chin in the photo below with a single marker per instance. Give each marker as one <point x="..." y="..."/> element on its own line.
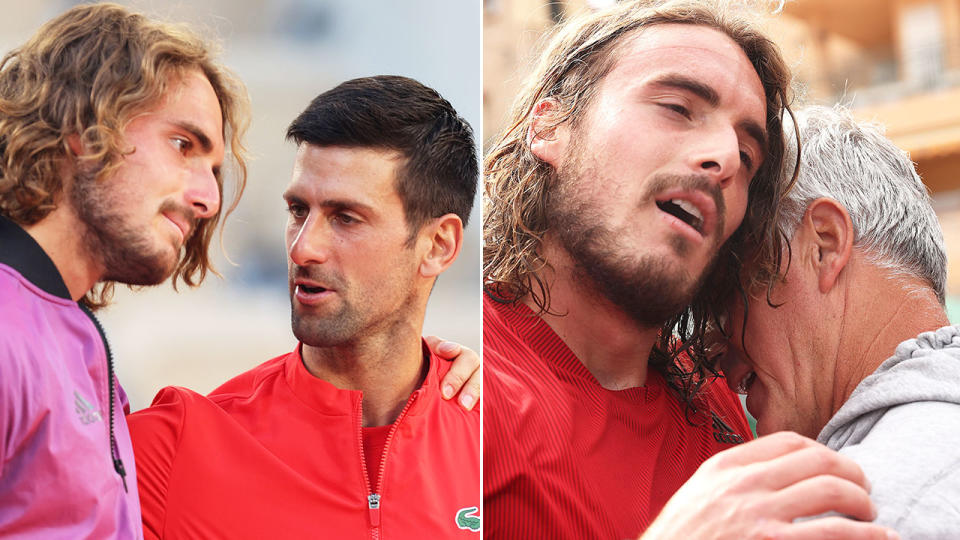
<point x="143" y="270"/>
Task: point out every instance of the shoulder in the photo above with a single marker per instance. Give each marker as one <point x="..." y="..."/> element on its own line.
<point x="42" y="340"/>
<point x="23" y="314"/>
<point x="155" y="431"/>
<point x="910" y="457"/>
<point x="249" y="382"/>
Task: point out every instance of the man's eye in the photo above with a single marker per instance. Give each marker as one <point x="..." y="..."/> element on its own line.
<point x="182" y="145"/>
<point x="346" y="219"/>
<point x="298" y="211"/>
<point x="747" y="161"/>
<point x="677" y="108"/>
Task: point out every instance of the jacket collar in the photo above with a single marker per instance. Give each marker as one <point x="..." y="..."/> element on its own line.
<point x="330" y="400"/>
<point x="20" y="251"/>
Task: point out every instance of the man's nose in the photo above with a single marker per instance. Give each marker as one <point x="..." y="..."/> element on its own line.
<point x="203" y="193"/>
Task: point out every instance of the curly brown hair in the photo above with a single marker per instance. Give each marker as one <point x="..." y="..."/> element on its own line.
<point x="578" y="54"/>
<point x="87" y="73"/>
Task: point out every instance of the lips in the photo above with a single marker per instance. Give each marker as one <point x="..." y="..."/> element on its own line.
<point x="694" y="209"/>
<point x="684" y="211"/>
<point x="309" y="292"/>
<point x="310" y="287"/>
<point x="181" y="225"/>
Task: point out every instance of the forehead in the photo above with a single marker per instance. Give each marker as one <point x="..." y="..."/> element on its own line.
<point x="700" y="52"/>
<point x="345" y="172"/>
<point x="191" y="100"/>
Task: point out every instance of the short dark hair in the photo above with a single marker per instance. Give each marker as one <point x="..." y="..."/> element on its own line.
<point x="398" y="113"/>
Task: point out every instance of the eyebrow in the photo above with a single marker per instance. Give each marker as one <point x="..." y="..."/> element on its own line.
<point x="695" y="87"/>
<point x="205" y="143"/>
<point x="705" y="92"/>
<point x="337" y="204"/>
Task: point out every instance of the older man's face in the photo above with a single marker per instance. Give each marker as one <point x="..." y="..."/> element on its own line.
<point x="778" y="360"/>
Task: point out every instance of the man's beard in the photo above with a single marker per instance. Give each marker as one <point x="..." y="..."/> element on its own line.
<point x="360" y="314"/>
<point x="647" y="288"/>
<point x="328" y="330"/>
<point x="128" y="254"/>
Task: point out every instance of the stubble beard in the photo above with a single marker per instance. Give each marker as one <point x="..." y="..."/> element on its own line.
<point x="349" y="323"/>
<point x="329" y="330"/>
<point x="128" y="254"/>
<point x="645" y="287"/>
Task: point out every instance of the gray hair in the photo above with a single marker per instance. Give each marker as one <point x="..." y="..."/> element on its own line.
<point x="855" y="164"/>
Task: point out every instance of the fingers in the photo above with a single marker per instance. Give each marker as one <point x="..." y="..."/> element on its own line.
<point x="765" y="448"/>
<point x="464" y="375"/>
<point x="470" y="395"/>
<point x="758" y="489"/>
<point x="820" y="494"/>
<point x="447" y="350"/>
<point x="809" y="462"/>
<point x="836" y="528"/>
<point x="805" y="479"/>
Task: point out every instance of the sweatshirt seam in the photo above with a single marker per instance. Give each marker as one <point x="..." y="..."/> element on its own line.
<point x="922" y="492"/>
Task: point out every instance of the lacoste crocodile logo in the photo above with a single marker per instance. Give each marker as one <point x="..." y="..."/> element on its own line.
<point x="85" y="410"/>
<point x="466" y="521"/>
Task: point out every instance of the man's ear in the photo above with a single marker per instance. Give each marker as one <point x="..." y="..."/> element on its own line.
<point x="827" y="224"/>
<point x="547" y="139"/>
<point x="443" y="237"/>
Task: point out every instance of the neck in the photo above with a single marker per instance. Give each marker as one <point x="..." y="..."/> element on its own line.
<point x="58" y="235"/>
<point x="387" y="368"/>
<point x="882" y="309"/>
<point x="611" y="345"/>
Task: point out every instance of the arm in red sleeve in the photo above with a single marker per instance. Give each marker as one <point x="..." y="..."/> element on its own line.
<point x="155" y="432"/>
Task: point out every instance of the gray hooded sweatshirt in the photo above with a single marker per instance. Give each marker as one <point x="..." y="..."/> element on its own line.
<point x="902" y="426"/>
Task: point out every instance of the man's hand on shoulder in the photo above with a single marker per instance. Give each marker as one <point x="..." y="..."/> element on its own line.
<point x="464" y="375"/>
<point x="757" y="489"/>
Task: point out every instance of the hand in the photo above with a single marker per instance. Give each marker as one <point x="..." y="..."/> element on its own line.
<point x="464" y="375"/>
<point x="757" y="489"/>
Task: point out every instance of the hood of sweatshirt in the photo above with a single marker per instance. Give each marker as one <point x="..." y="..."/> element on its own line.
<point x="926" y="368"/>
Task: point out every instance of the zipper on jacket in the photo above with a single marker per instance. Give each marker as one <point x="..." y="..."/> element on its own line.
<point x="373" y="497"/>
<point x="114" y="450"/>
<point x="373" y="503"/>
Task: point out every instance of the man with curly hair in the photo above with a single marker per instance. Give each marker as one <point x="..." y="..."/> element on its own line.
<point x="113" y="136"/>
<point x="641" y="165"/>
<point x="113" y="133"/>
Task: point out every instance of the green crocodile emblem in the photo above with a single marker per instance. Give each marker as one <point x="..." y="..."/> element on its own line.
<point x="467" y="522"/>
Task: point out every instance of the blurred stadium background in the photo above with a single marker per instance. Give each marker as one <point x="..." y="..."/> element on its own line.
<point x="287" y="52"/>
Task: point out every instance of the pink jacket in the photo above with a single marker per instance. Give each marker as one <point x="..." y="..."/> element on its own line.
<point x="57" y="472"/>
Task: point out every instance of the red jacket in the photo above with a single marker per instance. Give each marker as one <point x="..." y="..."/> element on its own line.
<point x="277" y="453"/>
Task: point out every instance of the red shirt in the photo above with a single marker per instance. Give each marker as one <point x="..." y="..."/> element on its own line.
<point x="277" y="453"/>
<point x="567" y="458"/>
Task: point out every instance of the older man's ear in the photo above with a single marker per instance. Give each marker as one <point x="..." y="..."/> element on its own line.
<point x="825" y="241"/>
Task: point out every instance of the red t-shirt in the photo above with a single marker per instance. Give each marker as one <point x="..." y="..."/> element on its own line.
<point x="565" y="457"/>
<point x="374" y="440"/>
<point x="277" y="453"/>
